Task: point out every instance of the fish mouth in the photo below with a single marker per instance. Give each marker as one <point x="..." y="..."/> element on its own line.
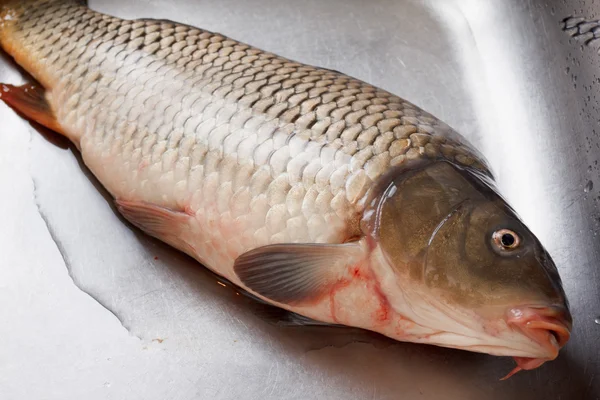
<point x="548" y="326"/>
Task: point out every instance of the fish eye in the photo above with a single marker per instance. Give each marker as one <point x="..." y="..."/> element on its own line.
<point x="506" y="239"/>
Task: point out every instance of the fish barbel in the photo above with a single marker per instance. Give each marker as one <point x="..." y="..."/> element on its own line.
<point x="311" y="190"/>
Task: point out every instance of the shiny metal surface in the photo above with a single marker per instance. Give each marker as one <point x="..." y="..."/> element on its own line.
<point x="94" y="309"/>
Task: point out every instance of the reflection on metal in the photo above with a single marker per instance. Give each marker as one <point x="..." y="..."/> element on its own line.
<point x="588" y="186"/>
<point x="503" y="73"/>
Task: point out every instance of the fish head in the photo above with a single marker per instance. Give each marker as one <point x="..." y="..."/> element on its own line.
<point x="464" y="269"/>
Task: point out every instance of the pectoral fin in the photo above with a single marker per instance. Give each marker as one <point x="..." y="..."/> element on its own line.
<point x="296" y="273"/>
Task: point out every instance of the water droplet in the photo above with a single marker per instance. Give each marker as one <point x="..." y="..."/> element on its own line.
<point x="588" y="187"/>
<point x="597" y="320"/>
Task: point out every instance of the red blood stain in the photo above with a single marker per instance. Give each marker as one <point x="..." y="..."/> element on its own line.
<point x="143" y="164"/>
<point x="338" y="286"/>
<point x="156" y="257"/>
<point x="188" y="210"/>
<point x="357" y="274"/>
<point x="364" y="274"/>
<point x="382" y="313"/>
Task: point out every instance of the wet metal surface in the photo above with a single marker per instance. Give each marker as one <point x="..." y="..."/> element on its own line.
<point x="93" y="309"/>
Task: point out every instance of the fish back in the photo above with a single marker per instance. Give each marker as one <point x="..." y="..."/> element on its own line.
<point x="261" y="149"/>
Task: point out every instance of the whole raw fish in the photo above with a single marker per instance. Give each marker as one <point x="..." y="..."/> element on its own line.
<point x="311" y="190"/>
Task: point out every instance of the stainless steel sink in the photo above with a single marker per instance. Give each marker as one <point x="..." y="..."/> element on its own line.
<point x="93" y="309"/>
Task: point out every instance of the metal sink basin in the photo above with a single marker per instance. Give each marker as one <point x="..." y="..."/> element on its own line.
<point x="93" y="309"/>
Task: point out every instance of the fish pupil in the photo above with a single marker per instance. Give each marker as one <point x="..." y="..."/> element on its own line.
<point x="507" y="240"/>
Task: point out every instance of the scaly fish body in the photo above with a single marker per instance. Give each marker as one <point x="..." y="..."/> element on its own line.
<point x="221" y="149"/>
<point x="257" y="149"/>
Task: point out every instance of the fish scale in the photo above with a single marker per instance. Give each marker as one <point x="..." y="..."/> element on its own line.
<point x="189" y="118"/>
<point x="309" y="189"/>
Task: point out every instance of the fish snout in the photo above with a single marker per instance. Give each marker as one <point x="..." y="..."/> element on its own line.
<point x="549" y="326"/>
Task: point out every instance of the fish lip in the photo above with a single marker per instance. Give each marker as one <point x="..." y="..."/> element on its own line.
<point x="548" y="326"/>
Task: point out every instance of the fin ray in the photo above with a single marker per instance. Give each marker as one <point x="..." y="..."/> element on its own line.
<point x="295" y="273"/>
<point x="162" y="223"/>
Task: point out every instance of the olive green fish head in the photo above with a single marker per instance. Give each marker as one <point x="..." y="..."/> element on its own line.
<point x="489" y="285"/>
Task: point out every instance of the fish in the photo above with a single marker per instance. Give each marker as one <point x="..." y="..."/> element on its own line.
<point x="331" y="199"/>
